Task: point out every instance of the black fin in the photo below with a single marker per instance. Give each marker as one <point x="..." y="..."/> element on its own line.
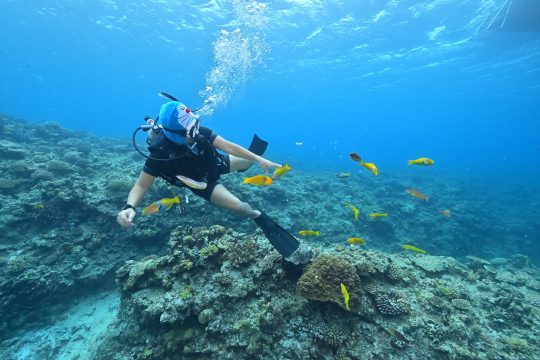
<point x="258" y="146"/>
<point x="282" y="240"/>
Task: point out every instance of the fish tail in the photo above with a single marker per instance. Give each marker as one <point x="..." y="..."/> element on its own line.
<point x="410" y="162"/>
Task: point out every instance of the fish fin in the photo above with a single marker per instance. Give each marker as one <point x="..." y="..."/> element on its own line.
<point x="410" y="162"/>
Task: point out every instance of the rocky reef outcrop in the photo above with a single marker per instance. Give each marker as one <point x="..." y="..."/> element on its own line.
<point x="219" y="294"/>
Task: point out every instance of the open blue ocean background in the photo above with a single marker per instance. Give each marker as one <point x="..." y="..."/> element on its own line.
<point x="390" y="80"/>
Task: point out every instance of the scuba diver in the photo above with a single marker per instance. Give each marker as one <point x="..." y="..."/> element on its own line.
<point x="184" y="154"/>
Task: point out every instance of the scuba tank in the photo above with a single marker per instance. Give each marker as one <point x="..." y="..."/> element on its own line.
<point x="153" y="131"/>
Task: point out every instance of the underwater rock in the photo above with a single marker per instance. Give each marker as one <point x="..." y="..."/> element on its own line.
<point x="258" y="309"/>
<point x="11" y="151"/>
<point x="41" y="175"/>
<point x="60" y="167"/>
<point x="431" y="264"/>
<point x="8" y="185"/>
<point x="205" y="316"/>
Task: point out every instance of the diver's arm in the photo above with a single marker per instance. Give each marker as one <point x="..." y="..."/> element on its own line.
<point x="144" y="182"/>
<point x="125" y="217"/>
<point x="237" y="150"/>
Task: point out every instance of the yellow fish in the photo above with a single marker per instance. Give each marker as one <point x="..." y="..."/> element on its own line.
<point x="417" y="194"/>
<point x="413" y="248"/>
<point x="345" y="296"/>
<point x="258" y="180"/>
<point x="371" y="167"/>
<point x="421" y="161"/>
<point x="377" y="215"/>
<point x="342" y="175"/>
<point x="356" y="240"/>
<point x="355" y="210"/>
<point x="309" y="233"/>
<point x="280" y="171"/>
<point x="161" y="205"/>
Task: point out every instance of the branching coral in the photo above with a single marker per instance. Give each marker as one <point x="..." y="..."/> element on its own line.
<point x="395" y="273"/>
<point x="391" y="303"/>
<point x="240" y="253"/>
<point x="59" y="166"/>
<point x="42" y="174"/>
<point x="462" y="304"/>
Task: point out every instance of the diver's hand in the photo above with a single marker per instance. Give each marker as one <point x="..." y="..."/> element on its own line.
<point x="125" y="218"/>
<point x="266" y="164"/>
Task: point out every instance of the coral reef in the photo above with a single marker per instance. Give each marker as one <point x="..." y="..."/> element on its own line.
<point x="222" y="292"/>
<point x="391" y="303"/>
<point x="322" y="280"/>
<point x="260" y="307"/>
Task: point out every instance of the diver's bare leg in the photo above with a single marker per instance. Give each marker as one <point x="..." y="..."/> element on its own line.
<point x="224" y="198"/>
<point x="238" y="163"/>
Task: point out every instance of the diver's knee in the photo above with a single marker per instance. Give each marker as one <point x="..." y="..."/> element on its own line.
<point x="243" y="165"/>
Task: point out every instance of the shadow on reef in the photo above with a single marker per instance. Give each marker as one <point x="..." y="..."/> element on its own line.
<point x="219" y="294"/>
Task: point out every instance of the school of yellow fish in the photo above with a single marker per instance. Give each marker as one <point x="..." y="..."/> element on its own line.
<point x="263" y="180"/>
<point x="166" y="204"/>
<point x="421" y="161"/>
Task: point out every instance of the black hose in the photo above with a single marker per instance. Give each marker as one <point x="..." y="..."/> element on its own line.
<point x="134" y="142"/>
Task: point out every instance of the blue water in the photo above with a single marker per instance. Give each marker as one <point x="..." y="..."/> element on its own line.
<point x="391" y="80"/>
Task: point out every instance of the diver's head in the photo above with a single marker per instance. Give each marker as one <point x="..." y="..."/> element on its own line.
<point x="178" y="122"/>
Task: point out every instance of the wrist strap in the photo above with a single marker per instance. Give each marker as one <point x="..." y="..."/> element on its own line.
<point x="128" y="206"/>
